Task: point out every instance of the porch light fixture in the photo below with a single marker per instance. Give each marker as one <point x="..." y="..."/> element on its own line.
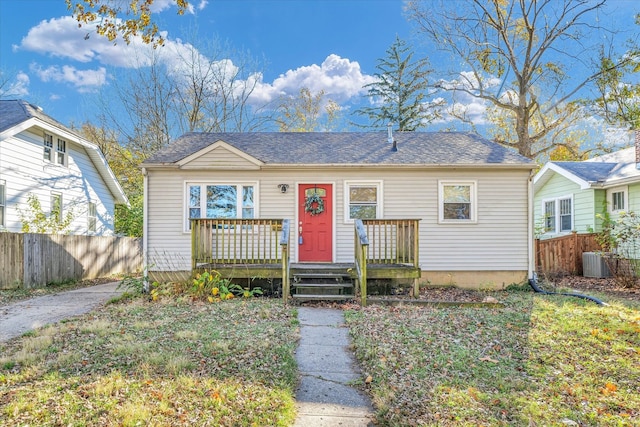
<point x="283" y="187"/>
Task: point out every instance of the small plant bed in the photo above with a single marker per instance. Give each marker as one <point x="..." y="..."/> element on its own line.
<point x="539" y="360"/>
<point x="168" y="362"/>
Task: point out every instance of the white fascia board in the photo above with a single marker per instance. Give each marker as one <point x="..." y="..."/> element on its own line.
<point x="549" y="169"/>
<point x="215" y="145"/>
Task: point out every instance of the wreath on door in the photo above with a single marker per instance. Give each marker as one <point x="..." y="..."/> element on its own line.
<point x="314" y="204"/>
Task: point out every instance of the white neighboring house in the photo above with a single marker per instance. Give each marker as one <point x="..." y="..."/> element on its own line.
<point x="40" y="156"/>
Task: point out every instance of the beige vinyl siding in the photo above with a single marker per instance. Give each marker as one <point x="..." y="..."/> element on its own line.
<point x="219" y="157"/>
<point x="25" y="171"/>
<point x="498" y="241"/>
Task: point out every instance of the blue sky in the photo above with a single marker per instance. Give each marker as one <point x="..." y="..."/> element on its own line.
<point x="321" y="42"/>
<point x="330" y="45"/>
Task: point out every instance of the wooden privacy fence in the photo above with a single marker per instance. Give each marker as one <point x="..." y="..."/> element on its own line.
<point x="564" y="254"/>
<point x="35" y="260"/>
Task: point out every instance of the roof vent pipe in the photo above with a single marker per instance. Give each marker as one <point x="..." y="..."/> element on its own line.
<point x="389" y="133"/>
<point x="395" y="146"/>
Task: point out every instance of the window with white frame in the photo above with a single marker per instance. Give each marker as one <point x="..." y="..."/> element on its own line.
<point x="457" y="201"/>
<point x="48" y="147"/>
<point x="558" y="215"/>
<point x="220" y="201"/>
<point x="91" y="217"/>
<point x="617" y="199"/>
<point x="56" y="206"/>
<point x="363" y="200"/>
<point x="61" y="152"/>
<point x="3" y="201"/>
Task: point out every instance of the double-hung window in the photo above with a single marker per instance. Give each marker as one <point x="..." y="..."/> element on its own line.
<point x="558" y="215"/>
<point x="220" y="201"/>
<point x="61" y="152"/>
<point x="91" y="217"/>
<point x="363" y="200"/>
<point x="617" y="199"/>
<point x="457" y="201"/>
<point x="48" y="147"/>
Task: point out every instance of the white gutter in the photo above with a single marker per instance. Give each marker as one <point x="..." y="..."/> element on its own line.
<point x="145" y="228"/>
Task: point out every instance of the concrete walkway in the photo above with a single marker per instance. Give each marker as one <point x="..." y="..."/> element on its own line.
<point x="24" y="316"/>
<point x="324" y="397"/>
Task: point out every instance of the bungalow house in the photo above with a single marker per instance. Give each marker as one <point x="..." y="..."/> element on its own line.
<point x="570" y="195"/>
<point x="41" y="157"/>
<point x="453" y="207"/>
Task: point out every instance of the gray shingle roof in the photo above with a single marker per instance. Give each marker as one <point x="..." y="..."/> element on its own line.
<point x="589" y="171"/>
<point x="16" y="111"/>
<point x="349" y="148"/>
<point x="608" y="168"/>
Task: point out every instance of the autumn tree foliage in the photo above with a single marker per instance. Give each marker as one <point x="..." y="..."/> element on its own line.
<point x="306" y="112"/>
<point x="121" y="18"/>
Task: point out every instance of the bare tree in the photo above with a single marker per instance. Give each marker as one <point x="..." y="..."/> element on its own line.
<point x="527" y="58"/>
<point x="307" y="112"/>
<point x="213" y="92"/>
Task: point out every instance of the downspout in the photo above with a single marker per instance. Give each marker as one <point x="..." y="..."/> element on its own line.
<point x="145" y="228"/>
<point x="531" y="228"/>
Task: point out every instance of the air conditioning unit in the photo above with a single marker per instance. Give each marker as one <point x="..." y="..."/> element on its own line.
<point x="594" y="265"/>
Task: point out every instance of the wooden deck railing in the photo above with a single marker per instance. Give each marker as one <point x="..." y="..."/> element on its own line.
<point x="392" y="241"/>
<point x="384" y="242"/>
<point x="235" y="241"/>
<point x="227" y="242"/>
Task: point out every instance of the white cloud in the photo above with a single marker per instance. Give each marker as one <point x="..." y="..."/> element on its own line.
<point x="83" y="80"/>
<point x="340" y="78"/>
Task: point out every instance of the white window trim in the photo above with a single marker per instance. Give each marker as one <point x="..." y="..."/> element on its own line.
<point x="347" y="200"/>
<point x="89" y="218"/>
<point x="625" y="191"/>
<point x="474" y="202"/>
<point x="63" y="153"/>
<point x="185" y="203"/>
<point x="557" y="213"/>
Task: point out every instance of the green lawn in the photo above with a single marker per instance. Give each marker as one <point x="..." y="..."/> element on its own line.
<point x="540" y="361"/>
<point x="162" y="364"/>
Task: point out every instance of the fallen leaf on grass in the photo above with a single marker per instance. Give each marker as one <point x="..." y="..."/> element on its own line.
<point x="368" y="380"/>
<point x="488" y="359"/>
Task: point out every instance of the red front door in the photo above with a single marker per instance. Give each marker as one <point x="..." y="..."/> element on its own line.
<point x="315" y="222"/>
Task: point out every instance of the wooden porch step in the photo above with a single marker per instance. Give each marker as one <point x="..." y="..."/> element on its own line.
<point x="310" y="297"/>
<point x="321" y="275"/>
<point x="322" y="285"/>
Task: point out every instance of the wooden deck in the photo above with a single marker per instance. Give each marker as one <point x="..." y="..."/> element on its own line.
<point x="259" y="248"/>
